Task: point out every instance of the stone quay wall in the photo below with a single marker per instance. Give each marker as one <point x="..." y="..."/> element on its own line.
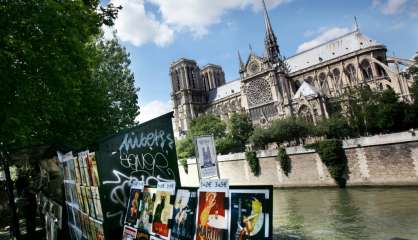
<point x="380" y="160"/>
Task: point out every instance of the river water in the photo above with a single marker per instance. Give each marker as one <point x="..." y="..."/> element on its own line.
<point x="352" y="213"/>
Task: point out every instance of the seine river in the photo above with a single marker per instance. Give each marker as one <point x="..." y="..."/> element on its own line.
<point x="353" y="213"/>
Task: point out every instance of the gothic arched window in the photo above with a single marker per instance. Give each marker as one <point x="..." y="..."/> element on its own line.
<point x="350" y="71"/>
<point x="336" y="75"/>
<point x="366" y="70"/>
<point x="323" y="82"/>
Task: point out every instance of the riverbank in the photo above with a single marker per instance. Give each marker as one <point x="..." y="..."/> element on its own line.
<point x="382" y="160"/>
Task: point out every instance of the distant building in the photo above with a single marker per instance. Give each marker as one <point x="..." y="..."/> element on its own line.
<point x="271" y="87"/>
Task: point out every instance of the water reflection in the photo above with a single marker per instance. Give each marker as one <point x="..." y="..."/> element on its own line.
<point x="354" y="213"/>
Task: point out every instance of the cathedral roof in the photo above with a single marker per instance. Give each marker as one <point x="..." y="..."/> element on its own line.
<point x="335" y="48"/>
<point x="225" y="90"/>
<point x="306" y="90"/>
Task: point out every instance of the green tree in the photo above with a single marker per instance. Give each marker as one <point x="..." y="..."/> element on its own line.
<point x="390" y="112"/>
<point x="261" y="137"/>
<point x="334" y="127"/>
<point x="54" y="86"/>
<point x="240" y="127"/>
<point x="207" y="124"/>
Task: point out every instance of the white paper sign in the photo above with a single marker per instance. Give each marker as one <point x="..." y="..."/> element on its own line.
<point x="138" y="185"/>
<point x="214" y="185"/>
<point x="169" y="186"/>
<point x="206" y="157"/>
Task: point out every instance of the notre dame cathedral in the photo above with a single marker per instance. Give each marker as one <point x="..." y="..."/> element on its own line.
<point x="272" y="87"/>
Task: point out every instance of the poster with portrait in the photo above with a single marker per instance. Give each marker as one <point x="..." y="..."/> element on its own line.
<point x="206" y="157"/>
<point x="250" y="213"/>
<point x="134" y="204"/>
<point x="212" y="215"/>
<point x="147" y="208"/>
<point x="184" y="214"/>
<point x="163" y="209"/>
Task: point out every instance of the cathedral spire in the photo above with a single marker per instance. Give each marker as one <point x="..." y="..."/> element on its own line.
<point x="241" y="63"/>
<point x="270" y="41"/>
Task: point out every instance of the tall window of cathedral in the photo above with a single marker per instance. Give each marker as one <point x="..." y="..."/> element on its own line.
<point x="177" y="79"/>
<point x="305" y="114"/>
<point x="336" y="76"/>
<point x="323" y="83"/>
<point x="380" y="71"/>
<point x="366" y="70"/>
<point x="351" y="73"/>
<point x="297" y="84"/>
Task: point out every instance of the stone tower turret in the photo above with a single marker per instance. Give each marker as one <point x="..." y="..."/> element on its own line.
<point x="187" y="94"/>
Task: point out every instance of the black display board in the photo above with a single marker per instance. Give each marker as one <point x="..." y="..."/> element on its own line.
<point x="146" y="152"/>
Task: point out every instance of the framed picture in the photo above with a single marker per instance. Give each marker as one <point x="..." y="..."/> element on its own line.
<point x="134" y="205"/>
<point x="250" y="212"/>
<point x="207" y="163"/>
<point x="129" y="233"/>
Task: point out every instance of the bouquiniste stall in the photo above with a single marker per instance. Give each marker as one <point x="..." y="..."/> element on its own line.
<point x="144" y="153"/>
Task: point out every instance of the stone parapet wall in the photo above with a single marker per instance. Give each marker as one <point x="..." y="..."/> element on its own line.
<point x="390" y="159"/>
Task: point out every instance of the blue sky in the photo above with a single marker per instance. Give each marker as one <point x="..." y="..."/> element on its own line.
<point x="157" y="32"/>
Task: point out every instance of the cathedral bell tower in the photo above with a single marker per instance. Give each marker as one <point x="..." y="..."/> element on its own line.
<point x="188" y="95"/>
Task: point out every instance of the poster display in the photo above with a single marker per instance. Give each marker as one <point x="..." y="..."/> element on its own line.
<point x="146" y="153"/>
<point x="207" y="163"/>
<point x="163" y="209"/>
<point x="184" y="214"/>
<point x="212" y="215"/>
<point x="82" y="198"/>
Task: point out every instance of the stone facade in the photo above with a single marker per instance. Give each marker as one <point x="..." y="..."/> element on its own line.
<point x="390" y="160"/>
<point x="272" y="87"/>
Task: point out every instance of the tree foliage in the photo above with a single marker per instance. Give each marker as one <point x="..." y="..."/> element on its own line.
<point x="60" y="80"/>
<point x="253" y="162"/>
<point x="240" y="127"/>
<point x="285" y="161"/>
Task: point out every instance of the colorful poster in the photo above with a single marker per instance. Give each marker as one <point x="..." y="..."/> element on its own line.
<point x="129" y="233"/>
<point x="97" y="205"/>
<point x="184" y="215"/>
<point x="212" y="216"/>
<point x="248" y="219"/>
<point x="163" y="209"/>
<point x="147" y="208"/>
<point x="134" y="204"/>
<point x="206" y="157"/>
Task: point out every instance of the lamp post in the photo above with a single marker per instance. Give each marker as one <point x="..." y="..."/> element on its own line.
<point x="5" y="163"/>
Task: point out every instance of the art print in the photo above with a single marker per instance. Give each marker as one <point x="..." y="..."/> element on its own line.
<point x="206" y="156"/>
<point x="184" y="215"/>
<point x="163" y="209"/>
<point x="211" y="218"/>
<point x="147" y="208"/>
<point x="134" y="204"/>
<point x="249" y="214"/>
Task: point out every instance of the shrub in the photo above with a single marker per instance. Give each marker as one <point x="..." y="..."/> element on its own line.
<point x="253" y="162"/>
<point x="228" y="144"/>
<point x="285" y="162"/>
<point x="333" y="156"/>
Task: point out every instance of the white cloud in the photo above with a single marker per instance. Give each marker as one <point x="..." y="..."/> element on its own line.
<point x="153" y="109"/>
<point x="394" y="7"/>
<point x="139" y="25"/>
<point x="325" y="34"/>
<point x="196" y="16"/>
